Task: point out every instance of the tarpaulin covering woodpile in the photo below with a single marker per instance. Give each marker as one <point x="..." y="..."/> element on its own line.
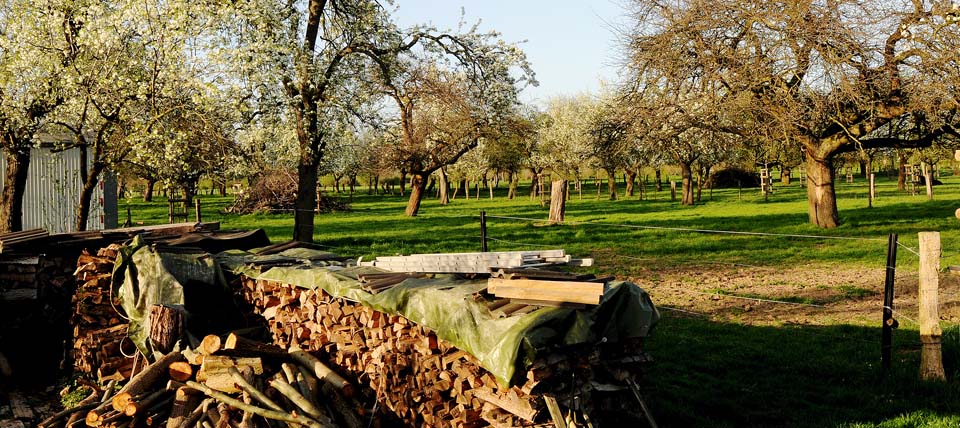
<point x="431" y="350"/>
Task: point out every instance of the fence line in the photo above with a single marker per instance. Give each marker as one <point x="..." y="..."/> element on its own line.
<point x="685" y="229"/>
<point x="757" y="299"/>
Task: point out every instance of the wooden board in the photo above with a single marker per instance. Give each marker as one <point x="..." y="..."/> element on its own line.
<point x="588" y="293"/>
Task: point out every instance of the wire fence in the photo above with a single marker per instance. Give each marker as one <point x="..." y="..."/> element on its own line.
<point x="900" y="275"/>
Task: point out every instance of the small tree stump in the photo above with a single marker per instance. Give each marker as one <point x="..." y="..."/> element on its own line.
<point x="166" y="327"/>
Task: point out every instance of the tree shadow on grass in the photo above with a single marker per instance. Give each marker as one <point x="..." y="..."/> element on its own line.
<point x="713" y="374"/>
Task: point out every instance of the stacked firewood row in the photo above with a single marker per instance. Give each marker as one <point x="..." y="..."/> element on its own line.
<point x="99" y="328"/>
<point x="423" y="380"/>
<point x="226" y="381"/>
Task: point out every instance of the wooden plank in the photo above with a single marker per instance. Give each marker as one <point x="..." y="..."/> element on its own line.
<point x="575" y="287"/>
<point x="524" y="293"/>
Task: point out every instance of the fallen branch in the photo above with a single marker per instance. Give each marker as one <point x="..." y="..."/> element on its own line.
<point x="269" y="414"/>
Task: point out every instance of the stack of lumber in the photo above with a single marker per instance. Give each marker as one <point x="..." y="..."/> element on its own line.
<point x="225" y="382"/>
<point x="98" y="326"/>
<point x="478" y="263"/>
<point x="14" y="240"/>
<point x="426" y="381"/>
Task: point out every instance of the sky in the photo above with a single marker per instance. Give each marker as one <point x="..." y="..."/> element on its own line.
<point x="570" y="44"/>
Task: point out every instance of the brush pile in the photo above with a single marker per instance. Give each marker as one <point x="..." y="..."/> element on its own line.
<point x="226" y="382"/>
<point x="276" y="190"/>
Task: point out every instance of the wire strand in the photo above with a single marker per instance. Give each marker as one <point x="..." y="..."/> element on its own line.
<point x="685" y="229"/>
<point x="759" y="299"/>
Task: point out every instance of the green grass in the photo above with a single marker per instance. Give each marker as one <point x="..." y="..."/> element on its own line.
<point x="707" y="373"/>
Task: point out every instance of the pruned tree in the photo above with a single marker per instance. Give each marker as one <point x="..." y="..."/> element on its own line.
<point x="449" y="94"/>
<point x="827" y="76"/>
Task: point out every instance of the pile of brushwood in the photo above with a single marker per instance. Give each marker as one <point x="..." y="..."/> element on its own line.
<point x="276" y="191"/>
<point x="225" y="382"/>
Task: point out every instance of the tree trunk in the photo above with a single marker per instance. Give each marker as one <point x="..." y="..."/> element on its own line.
<point x="444" y="187"/>
<point x="612" y="183"/>
<point x="902" y="171"/>
<point x="786" y="175"/>
<point x="417" y="184"/>
<point x="403" y="182"/>
<point x="14" y="184"/>
<point x="148" y="191"/>
<point x="558" y="200"/>
<point x="821" y="194"/>
<point x="863" y="168"/>
<point x="514" y="181"/>
<point x="89" y="185"/>
<point x="631" y="176"/>
<point x="659" y="180"/>
<point x="686" y="175"/>
<point x="306" y="202"/>
<point x="534" y="182"/>
<point x="166" y="327"/>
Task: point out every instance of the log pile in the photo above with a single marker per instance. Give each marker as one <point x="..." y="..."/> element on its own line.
<point x="98" y="325"/>
<point x="242" y="383"/>
<point x="426" y="381"/>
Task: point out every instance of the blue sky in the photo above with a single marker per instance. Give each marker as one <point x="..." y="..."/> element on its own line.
<point x="571" y="44"/>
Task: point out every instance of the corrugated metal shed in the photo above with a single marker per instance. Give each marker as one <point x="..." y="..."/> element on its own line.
<point x="53" y="191"/>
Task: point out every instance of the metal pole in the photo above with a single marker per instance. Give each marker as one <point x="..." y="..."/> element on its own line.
<point x="483" y="231"/>
<point x="889" y="323"/>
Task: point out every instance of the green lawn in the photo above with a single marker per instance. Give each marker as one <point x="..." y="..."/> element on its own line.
<point x="708" y="372"/>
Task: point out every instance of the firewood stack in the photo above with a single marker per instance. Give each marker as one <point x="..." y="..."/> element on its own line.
<point x="426" y="381"/>
<point x="98" y="325"/>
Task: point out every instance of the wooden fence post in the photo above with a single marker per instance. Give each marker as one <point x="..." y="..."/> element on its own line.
<point x="889" y="323"/>
<point x="673" y="191"/>
<point x="873" y="190"/>
<point x="483" y="231"/>
<point x="557" y="200"/>
<point x="931" y="357"/>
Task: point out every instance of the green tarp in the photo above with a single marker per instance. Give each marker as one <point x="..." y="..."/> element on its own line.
<point x="445" y="304"/>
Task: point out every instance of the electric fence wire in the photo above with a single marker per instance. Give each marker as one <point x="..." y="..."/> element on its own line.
<point x="686" y="229"/>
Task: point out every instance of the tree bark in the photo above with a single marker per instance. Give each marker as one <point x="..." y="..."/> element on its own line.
<point x="444" y="187"/>
<point x="534" y="182"/>
<point x="659" y="180"/>
<point x="558" y="200"/>
<point x="166" y="327"/>
<point x="612" y="183"/>
<point x="686" y="175"/>
<point x="786" y="175"/>
<point x="417" y="183"/>
<point x="14" y="185"/>
<point x="631" y="176"/>
<point x="514" y="181"/>
<point x="148" y="191"/>
<point x="902" y="171"/>
<point x="306" y="202"/>
<point x="89" y="185"/>
<point x="821" y="195"/>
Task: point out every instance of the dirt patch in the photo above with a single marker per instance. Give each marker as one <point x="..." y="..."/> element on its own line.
<point x="814" y="295"/>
